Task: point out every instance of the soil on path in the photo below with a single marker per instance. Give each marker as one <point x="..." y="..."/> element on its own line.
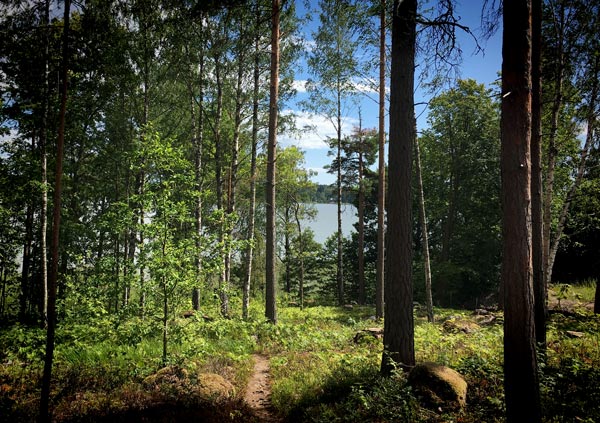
<point x="258" y="392"/>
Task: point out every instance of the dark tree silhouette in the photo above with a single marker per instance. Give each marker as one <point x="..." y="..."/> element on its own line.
<point x="398" y="338"/>
<point x="521" y="382"/>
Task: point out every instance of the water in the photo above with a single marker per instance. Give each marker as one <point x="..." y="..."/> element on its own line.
<point x="325" y="222"/>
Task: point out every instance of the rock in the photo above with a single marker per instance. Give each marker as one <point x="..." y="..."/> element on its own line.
<point x="173" y="375"/>
<point x="458" y="324"/>
<point x="575" y="334"/>
<point x="481" y="312"/>
<point x="376" y="333"/>
<point x="348" y="306"/>
<point x="438" y="385"/>
<point x="174" y="380"/>
<point x="214" y="386"/>
<point x="483" y="320"/>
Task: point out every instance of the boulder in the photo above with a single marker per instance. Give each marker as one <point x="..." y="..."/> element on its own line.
<point x="439" y="386"/>
<point x="458" y="324"/>
<point x="172" y="375"/>
<point x="176" y="381"/>
<point x="376" y="333"/>
<point x="214" y="386"/>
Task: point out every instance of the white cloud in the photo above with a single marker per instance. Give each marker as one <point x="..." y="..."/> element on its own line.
<point x="313" y="130"/>
<point x="299" y="85"/>
<point x="365" y="86"/>
<point x="6" y="138"/>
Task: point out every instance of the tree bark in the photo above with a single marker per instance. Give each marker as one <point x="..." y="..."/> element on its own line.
<point x="271" y="248"/>
<point x="252" y="214"/>
<point x="536" y="177"/>
<point x="381" y="173"/>
<point x="425" y="235"/>
<point x="44" y="415"/>
<point x="398" y="337"/>
<point x="521" y="382"/>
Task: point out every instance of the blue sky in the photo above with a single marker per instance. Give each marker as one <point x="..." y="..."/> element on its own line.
<point x="482" y="66"/>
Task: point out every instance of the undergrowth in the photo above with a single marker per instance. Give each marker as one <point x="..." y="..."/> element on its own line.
<point x="319" y="372"/>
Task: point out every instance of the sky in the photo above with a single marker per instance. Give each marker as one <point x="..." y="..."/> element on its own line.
<point x="483" y="66"/>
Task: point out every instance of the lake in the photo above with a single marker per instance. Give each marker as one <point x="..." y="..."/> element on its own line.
<point x="325" y="222"/>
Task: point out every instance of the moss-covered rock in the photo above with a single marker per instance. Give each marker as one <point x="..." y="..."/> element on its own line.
<point x="214" y="386"/>
<point x="460" y="324"/>
<point x="438" y="385"/>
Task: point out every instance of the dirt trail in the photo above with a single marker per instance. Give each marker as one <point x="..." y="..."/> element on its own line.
<point x="258" y="392"/>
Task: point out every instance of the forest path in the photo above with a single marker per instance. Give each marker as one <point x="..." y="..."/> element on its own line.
<point x="258" y="392"/>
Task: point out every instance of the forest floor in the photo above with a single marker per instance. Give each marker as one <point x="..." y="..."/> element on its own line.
<point x="320" y="364"/>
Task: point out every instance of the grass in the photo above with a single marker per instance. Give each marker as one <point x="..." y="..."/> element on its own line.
<point x="318" y="372"/>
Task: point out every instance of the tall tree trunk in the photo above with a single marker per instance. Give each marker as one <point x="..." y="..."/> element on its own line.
<point x="271" y="280"/>
<point x="288" y="255"/>
<point x="44" y="160"/>
<point x="233" y="170"/>
<point x="589" y="140"/>
<point x="425" y="234"/>
<point x="340" y="257"/>
<point x="26" y="262"/>
<point x="197" y="122"/>
<point x="361" y="217"/>
<point x="252" y="213"/>
<point x="521" y="382"/>
<point x="552" y="149"/>
<point x="398" y="336"/>
<point x="44" y="415"/>
<point x="381" y="173"/>
<point x="536" y="177"/>
<point x="223" y="295"/>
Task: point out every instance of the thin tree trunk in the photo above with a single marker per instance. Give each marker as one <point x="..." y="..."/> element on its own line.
<point x="44" y="157"/>
<point x="271" y="280"/>
<point x="552" y="149"/>
<point x="340" y="257"/>
<point x="286" y="246"/>
<point x="231" y="197"/>
<point x="251" y="217"/>
<point x="300" y="257"/>
<point x="165" y="320"/>
<point x="425" y="234"/>
<point x="536" y="178"/>
<point x="398" y="336"/>
<point x="589" y="140"/>
<point x="381" y="175"/>
<point x="197" y="123"/>
<point x="223" y="286"/>
<point x="26" y="263"/>
<point x="44" y="414"/>
<point x="361" y="217"/>
<point x="521" y="382"/>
